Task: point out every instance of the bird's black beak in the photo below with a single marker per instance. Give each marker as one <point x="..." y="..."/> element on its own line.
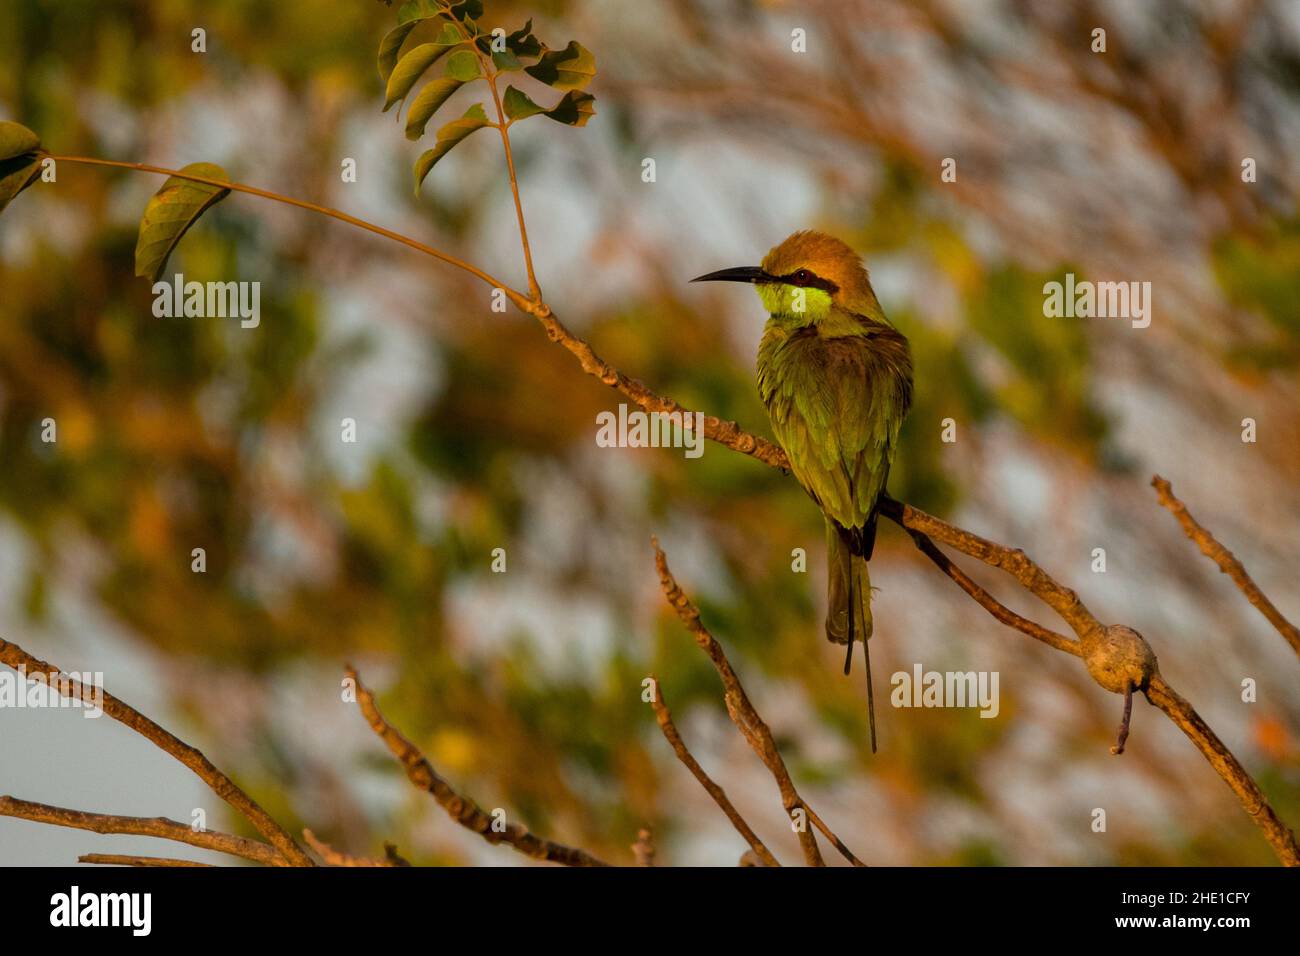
<point x="738" y="274"/>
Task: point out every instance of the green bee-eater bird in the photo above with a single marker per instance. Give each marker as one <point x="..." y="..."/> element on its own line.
<point x="836" y="378"/>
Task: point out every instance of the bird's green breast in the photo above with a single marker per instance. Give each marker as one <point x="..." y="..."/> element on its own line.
<point x="837" y="402"/>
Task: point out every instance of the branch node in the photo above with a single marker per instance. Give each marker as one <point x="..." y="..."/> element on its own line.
<point x="1119" y="659"/>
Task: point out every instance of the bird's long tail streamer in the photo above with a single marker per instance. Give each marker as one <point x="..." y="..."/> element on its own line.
<point x="859" y="593"/>
<point x="871" y="694"/>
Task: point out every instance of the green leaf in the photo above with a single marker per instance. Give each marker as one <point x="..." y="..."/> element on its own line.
<point x="574" y="109"/>
<point x="523" y="43"/>
<point x="389" y="47"/>
<point x="448" y="137"/>
<point x="467" y="10"/>
<point x="171" y="212"/>
<point x="20" y="160"/>
<point x="506" y="62"/>
<point x="428" y="102"/>
<point x="410" y="16"/>
<point x="415" y="10"/>
<point x="412" y="65"/>
<point x="569" y="69"/>
<point x="519" y="105"/>
<point x="463" y="66"/>
<point x="16" y="140"/>
<point x="16" y="175"/>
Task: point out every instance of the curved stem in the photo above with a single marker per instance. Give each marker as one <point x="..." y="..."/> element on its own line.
<point x="473" y="270"/>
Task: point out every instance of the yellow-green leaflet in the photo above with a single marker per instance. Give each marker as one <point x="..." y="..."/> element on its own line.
<point x="171" y="212"/>
<point x="20" y="160"/>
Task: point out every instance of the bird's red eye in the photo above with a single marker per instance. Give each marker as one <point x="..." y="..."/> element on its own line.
<point x="802" y="276"/>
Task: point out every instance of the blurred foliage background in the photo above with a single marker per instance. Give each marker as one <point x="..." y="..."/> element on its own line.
<point x="476" y="433"/>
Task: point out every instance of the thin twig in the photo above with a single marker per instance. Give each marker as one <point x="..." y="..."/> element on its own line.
<point x="503" y="127"/>
<point x="160" y="827"/>
<point x="665" y="719"/>
<point x="115" y="859"/>
<point x="461" y="809"/>
<point x="752" y="726"/>
<point x="303" y="204"/>
<point x="291" y="854"/>
<point x="1014" y="561"/>
<point x="1226" y="560"/>
<point x="989" y="602"/>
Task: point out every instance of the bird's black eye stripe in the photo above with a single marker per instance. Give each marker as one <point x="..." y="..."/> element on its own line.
<point x="804" y="278"/>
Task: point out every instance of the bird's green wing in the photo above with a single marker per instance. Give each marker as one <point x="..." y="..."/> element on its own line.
<point x="837" y="407"/>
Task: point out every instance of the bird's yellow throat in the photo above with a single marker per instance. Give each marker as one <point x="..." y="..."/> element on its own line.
<point x="801" y="304"/>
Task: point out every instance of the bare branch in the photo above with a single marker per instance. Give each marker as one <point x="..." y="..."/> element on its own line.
<point x="290" y="853"/>
<point x="715" y="429"/>
<point x="114" y="859"/>
<point x="1279" y="835"/>
<point x="745" y="717"/>
<point x="461" y="809"/>
<point x="665" y="719"/>
<point x="1226" y="561"/>
<point x="160" y="827"/>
